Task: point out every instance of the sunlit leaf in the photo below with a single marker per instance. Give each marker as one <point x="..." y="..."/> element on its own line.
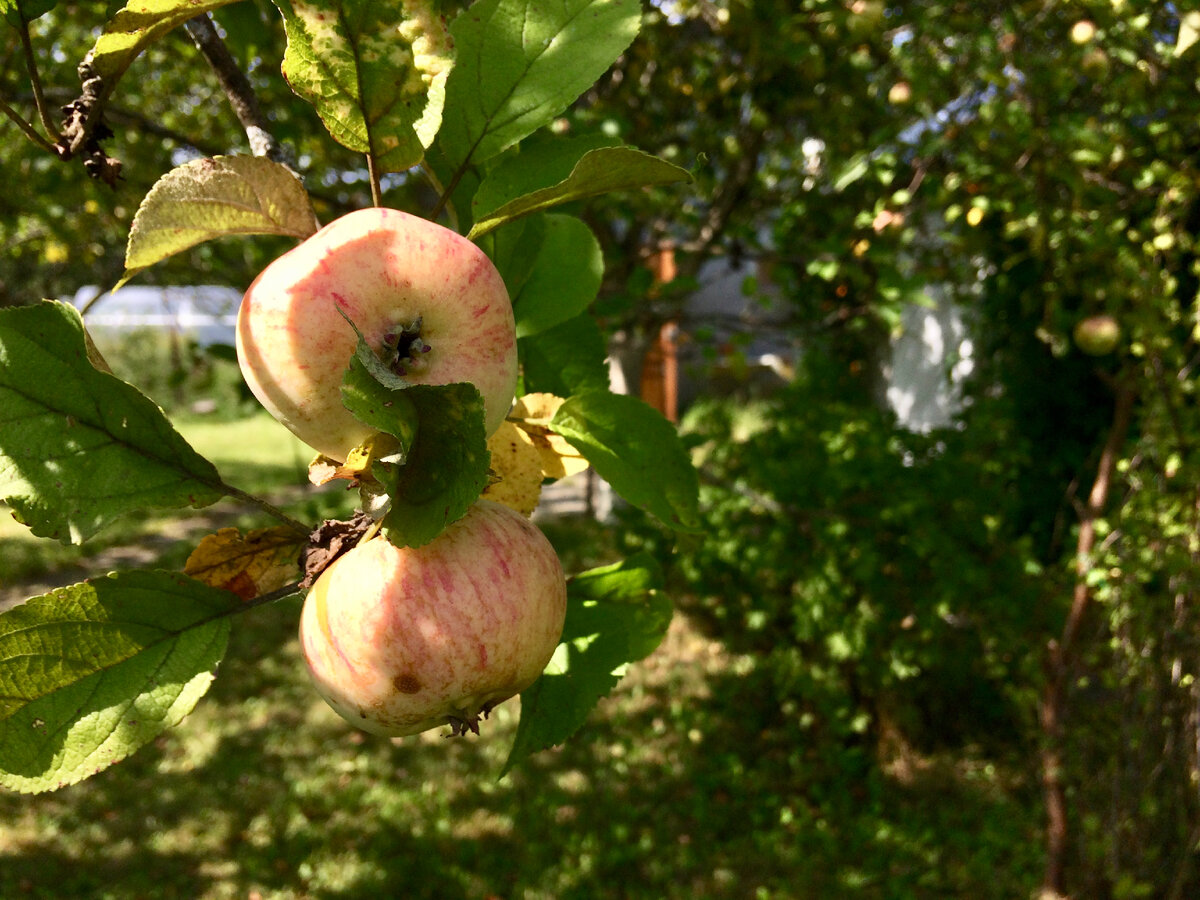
<point x="250" y="564"/>
<point x="376" y="72"/>
<point x="520" y="63"/>
<point x="211" y="198"/>
<point x="597" y="172"/>
<point x="135" y="27"/>
<point x="90" y="673"/>
<point x="564" y="279"/>
<point x="616" y="615"/>
<point x="79" y="447"/>
<point x="635" y="450"/>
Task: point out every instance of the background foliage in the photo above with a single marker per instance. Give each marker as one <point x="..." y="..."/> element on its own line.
<point x="892" y="595"/>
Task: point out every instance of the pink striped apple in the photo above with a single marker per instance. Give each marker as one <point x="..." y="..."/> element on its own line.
<point x="401" y="640"/>
<point x="426" y="299"/>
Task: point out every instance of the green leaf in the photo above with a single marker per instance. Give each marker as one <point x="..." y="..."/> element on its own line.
<point x="569" y="358"/>
<point x="441" y="466"/>
<point x="564" y="279"/>
<point x="856" y="167"/>
<point x="541" y="161"/>
<point x="385" y="408"/>
<point x="598" y="172"/>
<point x="635" y="450"/>
<point x="447" y="466"/>
<point x="522" y="62"/>
<point x="20" y="12"/>
<point x="91" y="672"/>
<point x="615" y="616"/>
<point x="79" y="447"/>
<point x="376" y="72"/>
<point x="134" y="28"/>
<point x="210" y="198"/>
<point x="513" y="249"/>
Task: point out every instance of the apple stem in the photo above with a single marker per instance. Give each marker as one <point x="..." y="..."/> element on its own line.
<point x="376" y="190"/>
<point x="267" y="507"/>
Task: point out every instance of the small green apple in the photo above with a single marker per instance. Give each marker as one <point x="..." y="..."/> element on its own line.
<point x="1097" y="335"/>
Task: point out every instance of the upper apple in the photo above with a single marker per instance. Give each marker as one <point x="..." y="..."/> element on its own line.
<point x="425" y="298"/>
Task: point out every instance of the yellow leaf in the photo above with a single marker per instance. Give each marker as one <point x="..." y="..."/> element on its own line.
<point x="518" y="467"/>
<point x="249" y="565"/>
<point x="532" y="414"/>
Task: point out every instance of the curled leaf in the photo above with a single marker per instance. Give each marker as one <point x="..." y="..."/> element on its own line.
<point x="249" y="565"/>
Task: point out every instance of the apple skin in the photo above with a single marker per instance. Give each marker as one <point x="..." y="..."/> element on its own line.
<point x="1097" y="335"/>
<point x="384" y="269"/>
<point x="401" y="640"/>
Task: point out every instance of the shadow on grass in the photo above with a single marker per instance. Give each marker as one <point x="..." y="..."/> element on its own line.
<point x="683" y="784"/>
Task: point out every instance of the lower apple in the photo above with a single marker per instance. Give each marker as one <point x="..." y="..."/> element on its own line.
<point x="402" y="640"/>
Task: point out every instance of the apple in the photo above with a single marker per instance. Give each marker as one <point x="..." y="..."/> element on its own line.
<point x="900" y="93"/>
<point x="1097" y="335"/>
<point x="1083" y="31"/>
<point x="425" y="298"/>
<point x="401" y="640"/>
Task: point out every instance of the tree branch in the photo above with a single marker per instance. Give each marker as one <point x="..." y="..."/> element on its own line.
<point x="1060" y="654"/>
<point x="237" y="87"/>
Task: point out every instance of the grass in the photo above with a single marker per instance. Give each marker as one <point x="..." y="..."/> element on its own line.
<point x="684" y="783"/>
<point x="667" y="792"/>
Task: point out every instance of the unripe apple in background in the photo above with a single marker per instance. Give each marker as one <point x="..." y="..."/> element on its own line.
<point x="1097" y="335"/>
<point x="401" y="640"/>
<point x="425" y="298"/>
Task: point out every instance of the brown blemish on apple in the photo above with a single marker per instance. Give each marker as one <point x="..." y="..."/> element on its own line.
<point x="406" y="683"/>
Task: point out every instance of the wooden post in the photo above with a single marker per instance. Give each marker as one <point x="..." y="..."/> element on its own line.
<point x="660" y="370"/>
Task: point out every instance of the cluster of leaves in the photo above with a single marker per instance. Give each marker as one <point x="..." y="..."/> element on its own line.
<point x="846" y="556"/>
<point x="95" y="670"/>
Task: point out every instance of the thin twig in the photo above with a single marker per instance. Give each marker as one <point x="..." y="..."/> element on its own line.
<point x="35" y="81"/>
<point x="272" y="597"/>
<point x="264" y="505"/>
<point x="237" y="87"/>
<point x="29" y="131"/>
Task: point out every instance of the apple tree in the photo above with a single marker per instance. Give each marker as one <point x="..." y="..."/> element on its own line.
<point x="451" y="114"/>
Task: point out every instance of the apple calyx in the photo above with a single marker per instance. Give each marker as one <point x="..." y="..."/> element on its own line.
<point x="403" y="348"/>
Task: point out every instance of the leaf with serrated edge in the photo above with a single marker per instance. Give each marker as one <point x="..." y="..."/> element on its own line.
<point x="212" y="198"/>
<point x="375" y="72"/>
<point x="636" y="450"/>
<point x="79" y="447"/>
<point x="615" y="616"/>
<point x="92" y="672"/>
<point x="597" y="172"/>
<point x="520" y="63"/>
